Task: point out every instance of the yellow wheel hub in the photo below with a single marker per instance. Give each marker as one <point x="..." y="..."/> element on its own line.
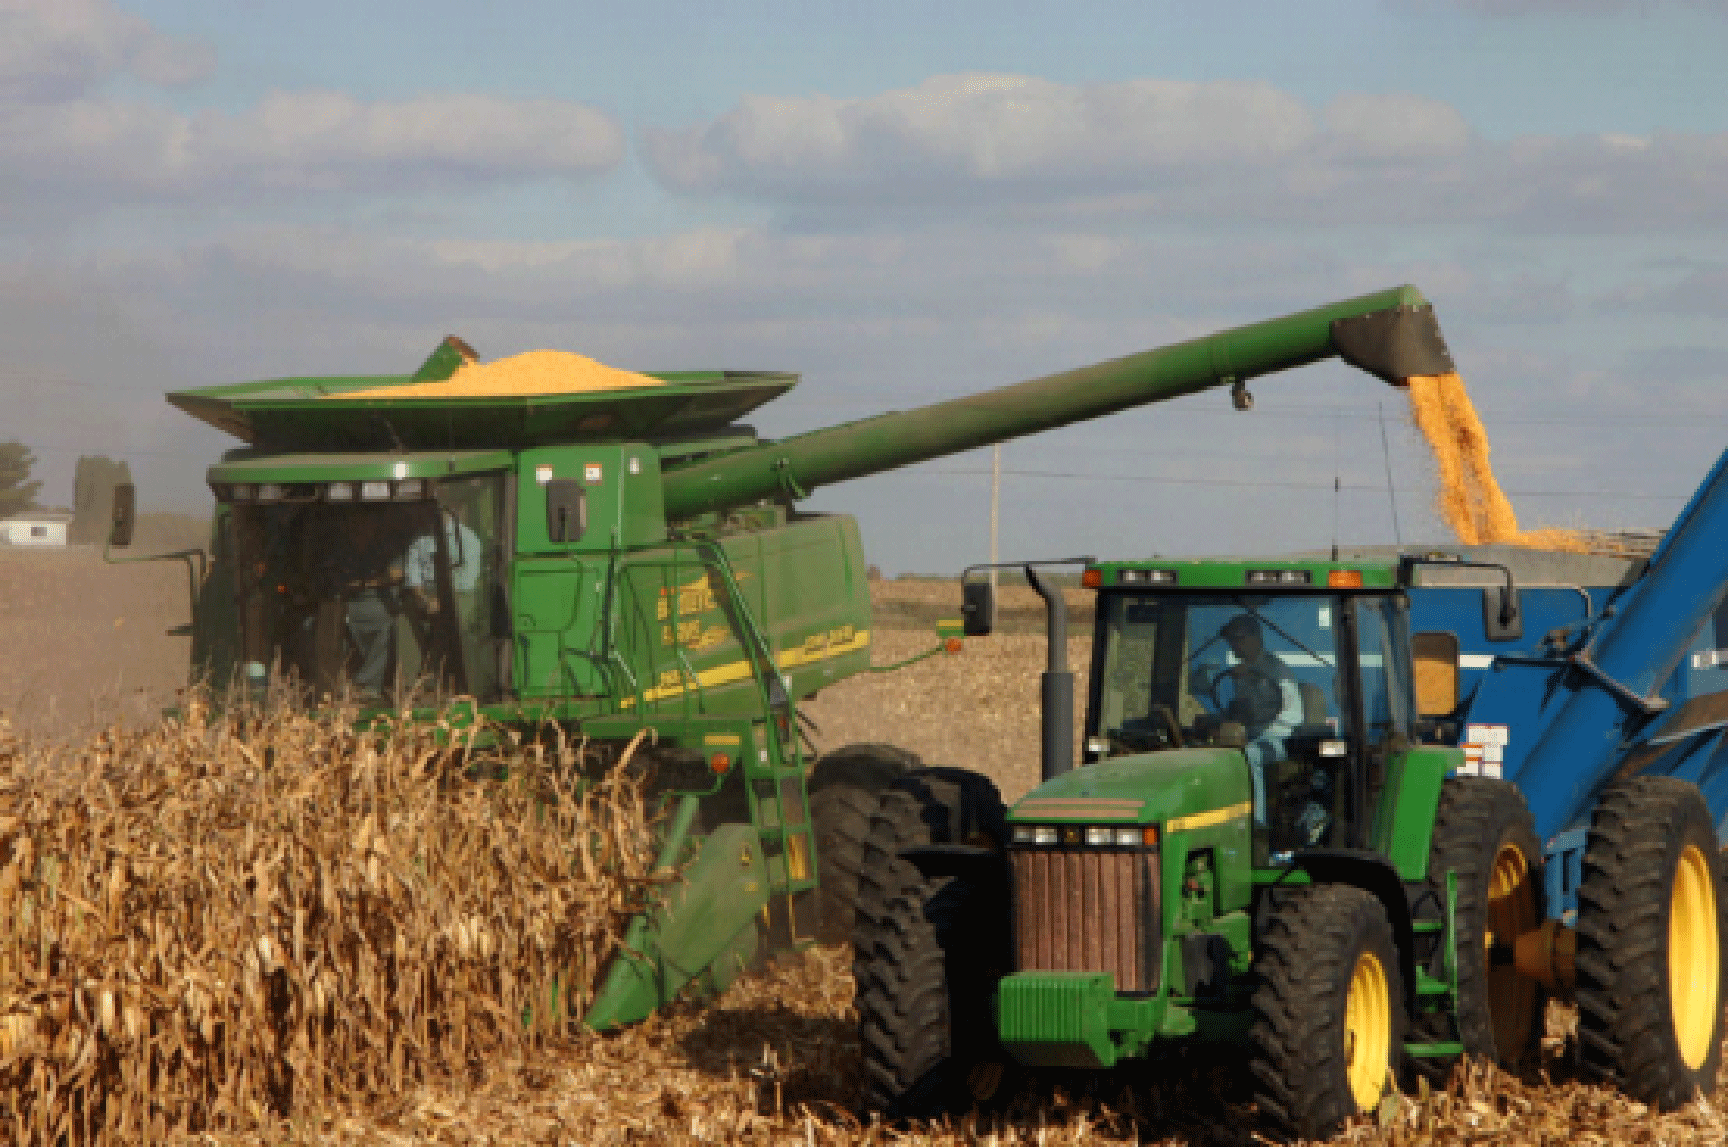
<point x="1694" y="957"/>
<point x="1367" y="1031"/>
<point x="1512" y="911"/>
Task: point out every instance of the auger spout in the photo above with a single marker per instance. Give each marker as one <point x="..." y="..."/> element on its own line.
<point x="1392" y="334"/>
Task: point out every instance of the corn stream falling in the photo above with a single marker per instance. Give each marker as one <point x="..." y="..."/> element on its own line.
<point x="1470" y="500"/>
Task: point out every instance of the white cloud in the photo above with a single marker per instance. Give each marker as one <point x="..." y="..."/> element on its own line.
<point x="115" y="151"/>
<point x="1153" y="149"/>
<point x="60" y="49"/>
<point x="954" y="132"/>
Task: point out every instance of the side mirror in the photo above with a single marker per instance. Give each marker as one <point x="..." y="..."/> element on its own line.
<point x="123" y="516"/>
<point x="566" y="511"/>
<point x="977" y="608"/>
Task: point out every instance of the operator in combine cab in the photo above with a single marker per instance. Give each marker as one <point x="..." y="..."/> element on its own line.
<point x="1265" y="700"/>
<point x="420" y="563"/>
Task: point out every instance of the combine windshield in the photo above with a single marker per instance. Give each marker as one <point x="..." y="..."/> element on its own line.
<point x="385" y="597"/>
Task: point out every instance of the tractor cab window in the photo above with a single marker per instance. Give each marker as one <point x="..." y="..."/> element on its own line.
<point x="1388" y="691"/>
<point x="1256" y="673"/>
<point x="388" y="597"/>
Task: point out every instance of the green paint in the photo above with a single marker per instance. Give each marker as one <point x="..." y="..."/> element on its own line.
<point x="1404" y="826"/>
<point x="1167" y="785"/>
<point x="1233" y="575"/>
<point x="1057" y="1019"/>
<point x="698" y="926"/>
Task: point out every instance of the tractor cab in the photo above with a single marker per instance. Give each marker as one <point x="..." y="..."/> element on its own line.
<point x="1303" y="667"/>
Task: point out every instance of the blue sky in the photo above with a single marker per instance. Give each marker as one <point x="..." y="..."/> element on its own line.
<point x="904" y="202"/>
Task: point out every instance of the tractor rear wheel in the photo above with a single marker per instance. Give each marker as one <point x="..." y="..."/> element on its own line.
<point x="928" y="951"/>
<point x="1328" y="1012"/>
<point x="1483" y="831"/>
<point x="845" y="787"/>
<point x="1651" y="921"/>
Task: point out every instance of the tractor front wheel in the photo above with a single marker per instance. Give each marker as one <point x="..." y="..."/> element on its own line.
<point x="1651" y="921"/>
<point x="1328" y="1011"/>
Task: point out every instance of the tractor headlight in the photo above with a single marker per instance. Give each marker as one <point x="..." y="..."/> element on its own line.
<point x="339" y="492"/>
<point x="1043" y="834"/>
<point x="1022" y="834"/>
<point x="269" y="491"/>
<point x="375" y="491"/>
<point x="1099" y="835"/>
<point x="1129" y="837"/>
<point x="411" y="488"/>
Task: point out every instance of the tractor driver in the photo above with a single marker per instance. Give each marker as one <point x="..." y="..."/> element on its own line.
<point x="1265" y="700"/>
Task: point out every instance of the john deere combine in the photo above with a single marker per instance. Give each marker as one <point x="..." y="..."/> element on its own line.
<point x="626" y="559"/>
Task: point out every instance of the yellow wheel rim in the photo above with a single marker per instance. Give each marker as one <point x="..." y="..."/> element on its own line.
<point x="1512" y="911"/>
<point x="1694" y="957"/>
<point x="1367" y="1031"/>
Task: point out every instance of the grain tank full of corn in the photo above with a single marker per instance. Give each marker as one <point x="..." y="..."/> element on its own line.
<point x="558" y="543"/>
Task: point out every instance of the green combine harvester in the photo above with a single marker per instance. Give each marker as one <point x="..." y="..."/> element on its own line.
<point x="618" y="560"/>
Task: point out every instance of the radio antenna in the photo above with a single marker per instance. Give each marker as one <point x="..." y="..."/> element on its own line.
<point x="1391" y="488"/>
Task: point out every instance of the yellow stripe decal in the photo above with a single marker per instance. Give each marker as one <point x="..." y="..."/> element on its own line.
<point x="1099" y="808"/>
<point x="734" y="671"/>
<point x="1209" y="819"/>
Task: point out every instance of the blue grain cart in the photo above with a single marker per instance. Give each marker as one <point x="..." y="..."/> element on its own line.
<point x="1597" y="687"/>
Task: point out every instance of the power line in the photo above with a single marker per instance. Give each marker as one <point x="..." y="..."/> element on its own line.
<point x="1248" y="483"/>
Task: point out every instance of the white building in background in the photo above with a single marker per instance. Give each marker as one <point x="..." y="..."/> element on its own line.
<point x="35" y="528"/>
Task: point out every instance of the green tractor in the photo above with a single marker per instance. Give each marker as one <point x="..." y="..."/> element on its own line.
<point x="1273" y="844"/>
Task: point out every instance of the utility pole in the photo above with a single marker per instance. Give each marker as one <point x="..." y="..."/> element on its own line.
<point x="995" y="505"/>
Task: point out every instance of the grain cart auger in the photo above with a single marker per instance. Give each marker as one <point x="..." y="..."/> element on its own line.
<point x="616" y="553"/>
<point x="1348" y="849"/>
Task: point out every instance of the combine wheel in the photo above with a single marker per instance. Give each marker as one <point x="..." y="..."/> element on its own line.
<point x="1650" y="929"/>
<point x="928" y="951"/>
<point x="845" y="786"/>
<point x="1328" y="1012"/>
<point x="1484" y="832"/>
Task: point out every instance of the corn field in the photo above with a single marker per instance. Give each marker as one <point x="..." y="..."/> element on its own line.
<point x="227" y="919"/>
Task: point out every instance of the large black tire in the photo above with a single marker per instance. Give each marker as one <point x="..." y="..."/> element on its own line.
<point x="845" y="787"/>
<point x="1650" y="973"/>
<point x="1328" y="1010"/>
<point x="1483" y="831"/>
<point x="929" y="951"/>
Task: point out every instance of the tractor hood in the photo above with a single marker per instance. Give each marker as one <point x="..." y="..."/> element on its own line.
<point x="1147" y="788"/>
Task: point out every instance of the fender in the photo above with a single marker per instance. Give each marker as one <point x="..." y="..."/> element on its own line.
<point x="1373" y="874"/>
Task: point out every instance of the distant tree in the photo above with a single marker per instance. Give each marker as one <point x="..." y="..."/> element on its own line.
<point x="17" y="492"/>
<point x="93" y="497"/>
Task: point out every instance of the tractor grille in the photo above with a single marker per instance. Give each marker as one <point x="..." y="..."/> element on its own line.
<point x="1094" y="910"/>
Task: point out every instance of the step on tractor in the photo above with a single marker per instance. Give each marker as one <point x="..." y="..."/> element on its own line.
<point x="1353" y="816"/>
<point x="627" y="566"/>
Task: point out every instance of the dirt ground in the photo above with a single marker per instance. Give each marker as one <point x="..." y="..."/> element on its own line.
<point x="84" y="643"/>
